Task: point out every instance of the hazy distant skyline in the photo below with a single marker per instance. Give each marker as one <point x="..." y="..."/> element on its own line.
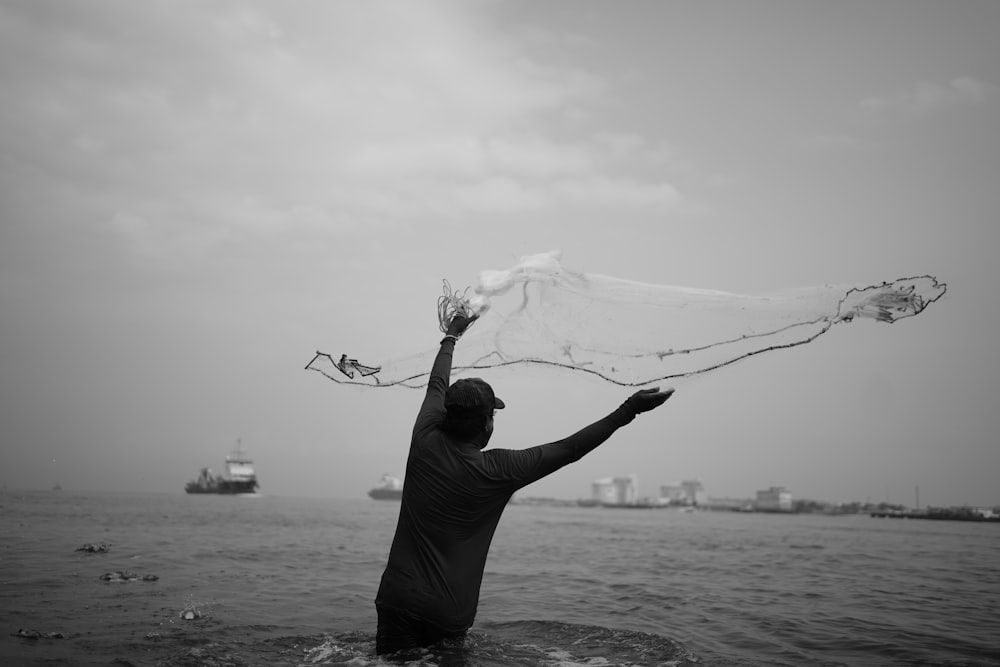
<point x="195" y="197"/>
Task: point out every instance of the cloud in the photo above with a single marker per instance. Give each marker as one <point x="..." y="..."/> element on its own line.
<point x="927" y="97"/>
<point x="830" y="142"/>
<point x="217" y="121"/>
<point x="475" y="156"/>
<point x="588" y="192"/>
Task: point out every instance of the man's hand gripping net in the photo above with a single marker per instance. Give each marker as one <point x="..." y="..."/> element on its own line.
<point x="453" y="303"/>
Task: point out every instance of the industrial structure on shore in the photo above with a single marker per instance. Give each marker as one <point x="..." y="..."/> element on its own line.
<point x="688" y="494"/>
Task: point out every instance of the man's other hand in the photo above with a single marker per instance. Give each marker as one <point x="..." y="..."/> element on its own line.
<point x="645" y="400"/>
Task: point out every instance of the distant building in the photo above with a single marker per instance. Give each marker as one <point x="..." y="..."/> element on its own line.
<point x="730" y="504"/>
<point x="674" y="493"/>
<point x="688" y="492"/>
<point x="774" y="499"/>
<point x="696" y="492"/>
<point x="616" y="490"/>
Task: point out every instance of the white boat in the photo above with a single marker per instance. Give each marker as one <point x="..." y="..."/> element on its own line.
<point x="389" y="488"/>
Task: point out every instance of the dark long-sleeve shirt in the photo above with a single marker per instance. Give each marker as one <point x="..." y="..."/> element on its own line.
<point x="453" y="496"/>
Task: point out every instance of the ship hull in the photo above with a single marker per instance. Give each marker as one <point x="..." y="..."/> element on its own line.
<point x="386" y="494"/>
<point x="226" y="487"/>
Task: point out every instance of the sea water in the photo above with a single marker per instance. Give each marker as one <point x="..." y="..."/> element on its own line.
<point x="233" y="580"/>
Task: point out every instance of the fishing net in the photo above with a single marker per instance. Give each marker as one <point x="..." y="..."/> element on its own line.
<point x="626" y="332"/>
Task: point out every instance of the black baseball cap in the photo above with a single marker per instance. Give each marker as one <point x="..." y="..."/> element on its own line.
<point x="469" y="393"/>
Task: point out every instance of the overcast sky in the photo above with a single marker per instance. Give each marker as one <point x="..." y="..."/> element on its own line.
<point x="197" y="196"/>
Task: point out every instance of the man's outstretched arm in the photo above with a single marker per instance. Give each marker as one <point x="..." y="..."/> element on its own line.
<point x="537" y="462"/>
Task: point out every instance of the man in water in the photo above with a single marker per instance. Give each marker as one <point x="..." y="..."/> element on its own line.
<point x="453" y="497"/>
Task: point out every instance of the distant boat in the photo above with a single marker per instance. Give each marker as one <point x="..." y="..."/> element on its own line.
<point x="240" y="477"/>
<point x="389" y="488"/>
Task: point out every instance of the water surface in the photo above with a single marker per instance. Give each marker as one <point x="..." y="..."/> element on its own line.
<point x="290" y="581"/>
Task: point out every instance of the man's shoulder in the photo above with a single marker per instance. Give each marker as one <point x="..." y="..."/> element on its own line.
<point x="499" y="454"/>
<point x="430" y="439"/>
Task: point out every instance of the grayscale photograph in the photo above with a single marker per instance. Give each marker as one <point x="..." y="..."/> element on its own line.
<point x="488" y="333"/>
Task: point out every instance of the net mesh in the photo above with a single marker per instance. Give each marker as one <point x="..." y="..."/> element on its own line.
<point x="626" y="332"/>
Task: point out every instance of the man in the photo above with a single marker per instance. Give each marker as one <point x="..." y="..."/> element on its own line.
<point x="453" y="497"/>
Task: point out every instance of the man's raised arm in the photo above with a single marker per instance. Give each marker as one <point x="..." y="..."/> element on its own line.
<point x="432" y="409"/>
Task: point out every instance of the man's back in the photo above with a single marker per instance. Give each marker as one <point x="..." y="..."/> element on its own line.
<point x="453" y="498"/>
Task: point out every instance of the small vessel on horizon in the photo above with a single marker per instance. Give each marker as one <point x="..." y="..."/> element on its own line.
<point x="389" y="488"/>
<point x="240" y="477"/>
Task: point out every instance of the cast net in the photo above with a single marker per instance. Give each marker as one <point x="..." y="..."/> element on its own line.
<point x="628" y="333"/>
